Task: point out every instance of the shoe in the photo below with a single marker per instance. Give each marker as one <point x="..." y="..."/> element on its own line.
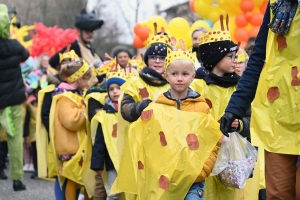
<point x="33" y="175"/>
<point x="2" y="175"/>
<point x="18" y="186"/>
<point x="30" y="168"/>
<point x="25" y="167"/>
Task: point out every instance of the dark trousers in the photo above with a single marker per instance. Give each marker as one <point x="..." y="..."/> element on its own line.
<point x="34" y="155"/>
<point x="3" y="154"/>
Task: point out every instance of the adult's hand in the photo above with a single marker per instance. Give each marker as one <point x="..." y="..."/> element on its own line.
<point x="226" y="122"/>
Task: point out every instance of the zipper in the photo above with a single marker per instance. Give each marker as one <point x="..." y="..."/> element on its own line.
<point x="178" y="104"/>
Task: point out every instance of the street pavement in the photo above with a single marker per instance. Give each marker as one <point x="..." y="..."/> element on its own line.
<point x="37" y="189"/>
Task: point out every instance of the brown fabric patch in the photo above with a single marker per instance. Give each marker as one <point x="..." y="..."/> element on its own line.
<point x="163" y="182"/>
<point x="80" y="162"/>
<point x="295" y="79"/>
<point x="163" y="140"/>
<point x="281" y="41"/>
<point x="115" y="130"/>
<point x="192" y="141"/>
<point x="209" y="103"/>
<point x="144" y="93"/>
<point x="273" y="94"/>
<point x="146" y="115"/>
<point x="140" y="165"/>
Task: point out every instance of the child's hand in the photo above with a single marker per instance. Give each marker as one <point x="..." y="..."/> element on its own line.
<point x="235" y="123"/>
<point x="99" y="172"/>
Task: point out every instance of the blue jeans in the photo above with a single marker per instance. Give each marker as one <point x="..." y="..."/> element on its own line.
<point x="196" y="192"/>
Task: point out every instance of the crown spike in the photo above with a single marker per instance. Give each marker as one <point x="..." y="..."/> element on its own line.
<point x="142" y="56"/>
<point x="162" y="31"/>
<point x="108" y="56"/>
<point x="130" y="67"/>
<point x="68" y="47"/>
<point x="155" y="28"/>
<point x="174" y="44"/>
<point x="227" y="22"/>
<point x="182" y="45"/>
<point x="222" y="22"/>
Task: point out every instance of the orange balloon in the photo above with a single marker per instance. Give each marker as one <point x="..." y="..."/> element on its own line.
<point x="241" y="21"/>
<point x="247" y="5"/>
<point x="254" y="31"/>
<point x="192" y="5"/>
<point x="137" y="42"/>
<point x="143" y="33"/>
<point x="256" y="19"/>
<point x="263" y="7"/>
<point x="248" y="16"/>
<point x="241" y="34"/>
<point x="136" y="28"/>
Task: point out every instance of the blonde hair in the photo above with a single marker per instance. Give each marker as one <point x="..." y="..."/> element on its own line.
<point x="39" y="62"/>
<point x="69" y="69"/>
<point x="181" y="62"/>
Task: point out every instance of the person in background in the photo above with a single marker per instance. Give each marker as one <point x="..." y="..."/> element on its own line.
<point x="195" y="36"/>
<point x="12" y="95"/>
<point x="44" y="66"/>
<point x="241" y="62"/>
<point x="250" y="45"/>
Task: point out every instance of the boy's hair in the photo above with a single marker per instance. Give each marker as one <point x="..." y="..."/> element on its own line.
<point x="69" y="69"/>
<point x="118" y="51"/>
<point x="181" y="62"/>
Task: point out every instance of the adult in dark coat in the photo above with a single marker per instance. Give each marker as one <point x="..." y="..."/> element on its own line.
<point x="12" y="95"/>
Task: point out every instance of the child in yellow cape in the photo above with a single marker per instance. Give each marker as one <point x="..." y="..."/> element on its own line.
<point x="174" y="144"/>
<point x="68" y="127"/>
<point x="138" y="92"/>
<point x="216" y="81"/>
<point x="104" y="135"/>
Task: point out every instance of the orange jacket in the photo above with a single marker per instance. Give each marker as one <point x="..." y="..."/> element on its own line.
<point x="193" y="103"/>
<point x="68" y="119"/>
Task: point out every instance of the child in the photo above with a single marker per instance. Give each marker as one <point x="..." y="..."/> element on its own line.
<point x="216" y="82"/>
<point x="68" y="125"/>
<point x="175" y="141"/>
<point x="103" y="128"/>
<point x="241" y="62"/>
<point x="139" y="91"/>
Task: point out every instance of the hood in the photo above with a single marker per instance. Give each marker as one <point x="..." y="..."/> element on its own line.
<point x="4" y="22"/>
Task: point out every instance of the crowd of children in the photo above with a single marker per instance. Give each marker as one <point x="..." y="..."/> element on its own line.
<point x="145" y="129"/>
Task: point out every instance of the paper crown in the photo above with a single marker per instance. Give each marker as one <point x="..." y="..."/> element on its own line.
<point x="178" y="54"/>
<point x="161" y="38"/>
<point x="106" y="66"/>
<point x="241" y="56"/>
<point x="80" y="72"/>
<point x="137" y="62"/>
<point x="68" y="54"/>
<point x="115" y="72"/>
<point x="216" y="35"/>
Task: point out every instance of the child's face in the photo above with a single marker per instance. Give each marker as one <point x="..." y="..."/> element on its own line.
<point x="180" y="77"/>
<point x="114" y="92"/>
<point x="123" y="58"/>
<point x="157" y="63"/>
<point x="240" y="68"/>
<point x="227" y="64"/>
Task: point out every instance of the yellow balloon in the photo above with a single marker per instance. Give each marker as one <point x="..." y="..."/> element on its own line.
<point x="202" y="8"/>
<point x="200" y="24"/>
<point x="231" y="7"/>
<point x="160" y="21"/>
<point x="179" y="25"/>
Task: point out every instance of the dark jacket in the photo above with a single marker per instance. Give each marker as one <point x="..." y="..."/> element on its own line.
<point x="244" y="95"/>
<point x="100" y="155"/>
<point x="93" y="104"/>
<point x="12" y="89"/>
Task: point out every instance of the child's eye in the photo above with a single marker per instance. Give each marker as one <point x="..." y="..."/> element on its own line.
<point x="185" y="74"/>
<point x="174" y="74"/>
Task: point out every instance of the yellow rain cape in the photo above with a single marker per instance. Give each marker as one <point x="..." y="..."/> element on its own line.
<point x="45" y="155"/>
<point x="169" y="148"/>
<point x="78" y="167"/>
<point x="275" y="122"/>
<point x="217" y="98"/>
<point x="98" y="96"/>
<point x="138" y="90"/>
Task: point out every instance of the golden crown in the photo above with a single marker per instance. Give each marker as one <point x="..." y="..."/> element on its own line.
<point x="106" y="66"/>
<point x="115" y="72"/>
<point x="241" y="56"/>
<point x="80" y="72"/>
<point x="216" y="35"/>
<point x="137" y="62"/>
<point x="161" y="38"/>
<point x="68" y="54"/>
<point x="178" y="54"/>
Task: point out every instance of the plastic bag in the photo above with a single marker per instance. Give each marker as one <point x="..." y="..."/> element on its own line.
<point x="235" y="162"/>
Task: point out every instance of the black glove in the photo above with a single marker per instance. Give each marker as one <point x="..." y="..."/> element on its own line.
<point x="226" y="122"/>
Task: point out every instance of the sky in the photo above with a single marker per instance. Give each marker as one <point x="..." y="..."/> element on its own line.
<point x="146" y="10"/>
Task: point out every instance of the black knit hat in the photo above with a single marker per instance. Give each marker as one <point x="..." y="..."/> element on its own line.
<point x="210" y="54"/>
<point x="159" y="49"/>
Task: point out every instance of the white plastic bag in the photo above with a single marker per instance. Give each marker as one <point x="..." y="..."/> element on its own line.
<point x="235" y="162"/>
